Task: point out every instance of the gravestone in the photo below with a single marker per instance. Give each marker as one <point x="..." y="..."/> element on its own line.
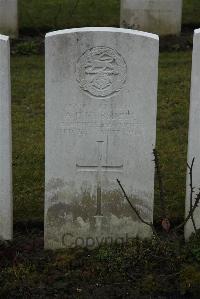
<point x="101" y="98"/>
<point x="194" y="134"/>
<point x="158" y="16"/>
<point x="5" y="142"/>
<point x="9" y="18"/>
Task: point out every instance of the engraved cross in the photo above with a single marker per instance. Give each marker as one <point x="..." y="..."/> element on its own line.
<point x="99" y="168"/>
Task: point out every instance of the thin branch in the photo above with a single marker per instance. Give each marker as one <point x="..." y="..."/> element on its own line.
<point x="191" y="212"/>
<point x="197" y="200"/>
<point x="191" y="192"/>
<point x="136" y="211"/>
<point x="160" y="183"/>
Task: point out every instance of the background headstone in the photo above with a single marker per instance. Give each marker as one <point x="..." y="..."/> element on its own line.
<point x="5" y="142"/>
<point x="101" y="100"/>
<point x="158" y="16"/>
<point x="9" y="18"/>
<point x="194" y="133"/>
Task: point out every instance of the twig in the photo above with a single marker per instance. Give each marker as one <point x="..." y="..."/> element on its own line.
<point x="136" y="211"/>
<point x="160" y="183"/>
<point x="196" y="203"/>
<point x="191" y="192"/>
<point x="191" y="212"/>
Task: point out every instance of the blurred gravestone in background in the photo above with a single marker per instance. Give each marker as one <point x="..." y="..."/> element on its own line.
<point x="162" y="17"/>
<point x="9" y="18"/>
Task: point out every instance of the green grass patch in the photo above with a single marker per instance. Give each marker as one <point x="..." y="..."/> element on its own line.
<point x="172" y="126"/>
<point x="28" y="136"/>
<point x="191" y="12"/>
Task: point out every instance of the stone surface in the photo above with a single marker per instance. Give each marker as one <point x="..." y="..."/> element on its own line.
<point x="194" y="133"/>
<point x="9" y="18"/>
<point x="101" y="99"/>
<point x="5" y="142"/>
<point x="162" y="17"/>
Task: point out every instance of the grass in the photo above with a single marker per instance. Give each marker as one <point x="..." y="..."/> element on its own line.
<point x="37" y="15"/>
<point x="28" y="131"/>
<point x="191" y="12"/>
<point x="172" y="125"/>
<point x="28" y="136"/>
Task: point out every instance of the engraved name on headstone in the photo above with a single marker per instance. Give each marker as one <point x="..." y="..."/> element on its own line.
<point x="101" y="98"/>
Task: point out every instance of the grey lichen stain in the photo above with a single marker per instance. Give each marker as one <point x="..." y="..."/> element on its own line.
<point x="76" y="212"/>
<point x="54" y="185"/>
<point x="130" y="26"/>
<point x="153" y="24"/>
<point x="85" y="207"/>
<point x="60" y="213"/>
<point x="114" y="203"/>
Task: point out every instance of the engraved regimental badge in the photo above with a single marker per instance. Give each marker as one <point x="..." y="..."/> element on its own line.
<point x="101" y="71"/>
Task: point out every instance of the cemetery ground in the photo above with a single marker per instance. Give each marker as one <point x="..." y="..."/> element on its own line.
<point x="123" y="271"/>
<point x="165" y="268"/>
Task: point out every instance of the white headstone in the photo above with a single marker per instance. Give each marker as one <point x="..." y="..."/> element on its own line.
<point x="5" y="142"/>
<point x="101" y="99"/>
<point x="194" y="133"/>
<point x="9" y="18"/>
<point x="158" y="16"/>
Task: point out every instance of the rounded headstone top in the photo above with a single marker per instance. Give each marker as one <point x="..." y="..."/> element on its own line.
<point x="103" y="29"/>
<point x="4" y="37"/>
<point x="197" y="31"/>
